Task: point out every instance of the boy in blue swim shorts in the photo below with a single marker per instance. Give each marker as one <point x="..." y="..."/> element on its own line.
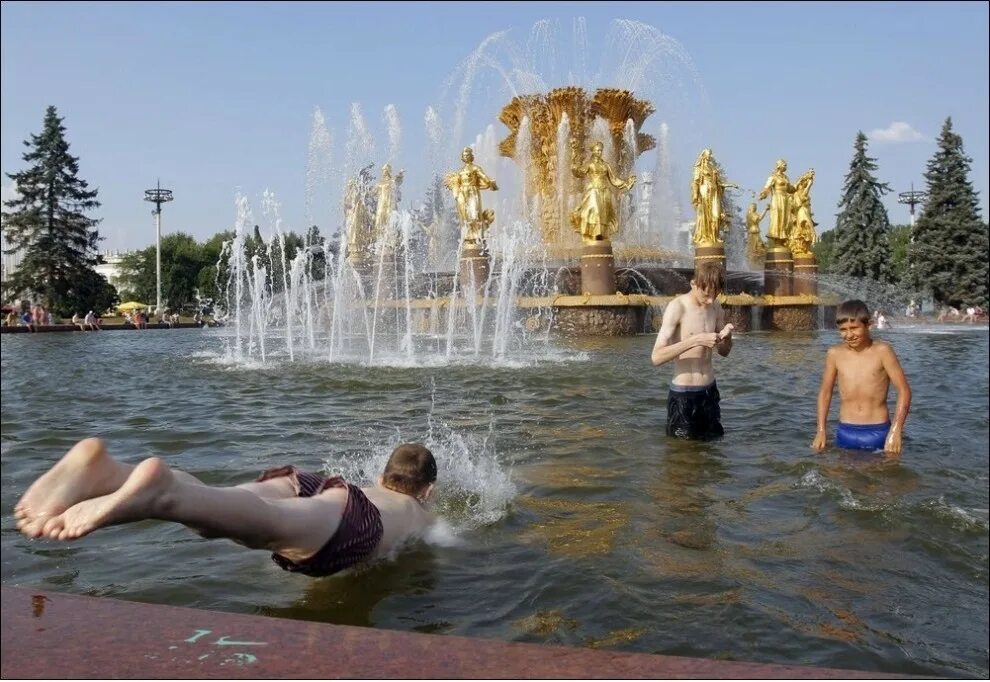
<point x="865" y="369"/>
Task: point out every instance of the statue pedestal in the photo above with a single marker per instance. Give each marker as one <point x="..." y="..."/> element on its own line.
<point x="474" y="268"/>
<point x="713" y="252"/>
<point x="805" y="279"/>
<point x="777" y="271"/>
<point x="598" y="268"/>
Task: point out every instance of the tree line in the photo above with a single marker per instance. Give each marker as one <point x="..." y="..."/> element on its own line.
<point x="944" y="256"/>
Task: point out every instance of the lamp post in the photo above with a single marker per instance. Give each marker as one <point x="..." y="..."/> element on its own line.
<point x="158" y="196"/>
<point x="912" y="199"/>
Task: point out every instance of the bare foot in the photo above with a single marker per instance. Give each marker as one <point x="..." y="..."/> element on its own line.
<point x="140" y="497"/>
<point x="85" y="471"/>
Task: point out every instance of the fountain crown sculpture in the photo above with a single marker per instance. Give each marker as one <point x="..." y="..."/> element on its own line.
<point x="466" y="184"/>
<point x="596" y="217"/>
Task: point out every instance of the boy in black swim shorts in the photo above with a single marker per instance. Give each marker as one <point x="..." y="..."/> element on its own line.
<point x="693" y="324"/>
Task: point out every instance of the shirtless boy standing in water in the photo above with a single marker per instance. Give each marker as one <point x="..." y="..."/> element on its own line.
<point x="865" y="369"/>
<point x="312" y="524"/>
<point x="693" y="324"/>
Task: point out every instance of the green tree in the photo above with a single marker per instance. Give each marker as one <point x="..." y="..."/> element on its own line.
<point x="137" y="276"/>
<point x="48" y="222"/>
<point x="824" y="250"/>
<point x="861" y="229"/>
<point x="948" y="252"/>
<point x="900" y="238"/>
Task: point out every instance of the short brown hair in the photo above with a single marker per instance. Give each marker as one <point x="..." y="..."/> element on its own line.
<point x="410" y="469"/>
<point x="710" y="276"/>
<point x="852" y="310"/>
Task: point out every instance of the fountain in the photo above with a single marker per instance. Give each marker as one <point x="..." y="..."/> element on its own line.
<point x="451" y="280"/>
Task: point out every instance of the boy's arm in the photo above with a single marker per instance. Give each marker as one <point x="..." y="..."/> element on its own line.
<point x="723" y="342"/>
<point x="663" y="349"/>
<point x="893" y="368"/>
<point x="825" y="401"/>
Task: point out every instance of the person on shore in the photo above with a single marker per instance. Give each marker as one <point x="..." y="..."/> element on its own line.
<point x="90" y="321"/>
<point x="77" y="321"/>
<point x="693" y="324"/>
<point x="313" y="524"/>
<point x="864" y="369"/>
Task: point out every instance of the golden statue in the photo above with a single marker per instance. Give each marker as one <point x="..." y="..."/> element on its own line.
<point x="707" y="188"/>
<point x="434" y="241"/>
<point x="780" y="204"/>
<point x="355" y="221"/>
<point x="802" y="224"/>
<point x="466" y="184"/>
<point x="755" y="248"/>
<point x="596" y="218"/>
<point x="387" y="192"/>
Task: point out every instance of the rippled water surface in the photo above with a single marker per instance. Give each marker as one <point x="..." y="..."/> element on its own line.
<point x="570" y="517"/>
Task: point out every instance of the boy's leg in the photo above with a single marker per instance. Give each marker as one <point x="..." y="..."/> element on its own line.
<point x="84" y="472"/>
<point x="296" y="528"/>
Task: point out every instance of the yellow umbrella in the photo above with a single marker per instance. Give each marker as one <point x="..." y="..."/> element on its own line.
<point x="131" y="305"/>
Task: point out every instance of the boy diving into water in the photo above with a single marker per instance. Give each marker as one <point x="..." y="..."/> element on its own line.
<point x="312" y="524"/>
<point x="864" y="369"/>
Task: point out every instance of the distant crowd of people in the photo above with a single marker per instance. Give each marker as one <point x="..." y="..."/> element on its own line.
<point x="36" y="316"/>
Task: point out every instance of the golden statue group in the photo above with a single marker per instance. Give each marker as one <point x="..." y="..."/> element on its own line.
<point x="369" y="211"/>
<point x="791" y="224"/>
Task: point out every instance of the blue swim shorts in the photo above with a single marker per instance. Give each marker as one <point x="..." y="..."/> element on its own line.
<point x="862" y="436"/>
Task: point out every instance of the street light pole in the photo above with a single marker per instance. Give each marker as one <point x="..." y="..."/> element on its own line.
<point x="158" y="196"/>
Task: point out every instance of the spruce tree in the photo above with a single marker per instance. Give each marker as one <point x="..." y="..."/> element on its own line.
<point x="861" y="247"/>
<point x="948" y="252"/>
<point x="48" y="222"/>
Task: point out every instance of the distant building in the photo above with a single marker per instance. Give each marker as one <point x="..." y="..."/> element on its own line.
<point x="110" y="267"/>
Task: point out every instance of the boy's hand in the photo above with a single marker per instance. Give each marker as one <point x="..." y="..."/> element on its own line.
<point x="819" y="443"/>
<point x="706" y="339"/>
<point x="726" y="332"/>
<point x="893" y="443"/>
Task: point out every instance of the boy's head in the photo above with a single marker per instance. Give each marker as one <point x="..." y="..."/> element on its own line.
<point x="411" y="470"/>
<point x="853" y="320"/>
<point x="852" y="311"/>
<point x="708" y="281"/>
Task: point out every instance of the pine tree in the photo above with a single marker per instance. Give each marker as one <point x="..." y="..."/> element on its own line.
<point x="948" y="251"/>
<point x="47" y="221"/>
<point x="862" y="227"/>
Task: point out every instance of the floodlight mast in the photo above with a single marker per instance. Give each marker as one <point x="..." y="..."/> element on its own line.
<point x="158" y="196"/>
<point x="912" y="199"/>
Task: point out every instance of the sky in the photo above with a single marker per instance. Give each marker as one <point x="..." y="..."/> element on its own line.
<point x="216" y="98"/>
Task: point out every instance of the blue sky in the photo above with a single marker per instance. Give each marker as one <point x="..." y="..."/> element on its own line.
<point x="215" y="98"/>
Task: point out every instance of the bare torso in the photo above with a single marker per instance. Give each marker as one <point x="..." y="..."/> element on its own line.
<point x="863" y="384"/>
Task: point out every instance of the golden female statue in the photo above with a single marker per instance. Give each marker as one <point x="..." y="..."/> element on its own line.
<point x="707" y="188"/>
<point x="387" y="192"/>
<point x="755" y="248"/>
<point x="466" y="184"/>
<point x="780" y="204"/>
<point x="596" y="218"/>
<point x="802" y="225"/>
<point x="355" y="221"/>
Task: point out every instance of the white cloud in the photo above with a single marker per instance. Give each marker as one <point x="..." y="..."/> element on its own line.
<point x="898" y="131"/>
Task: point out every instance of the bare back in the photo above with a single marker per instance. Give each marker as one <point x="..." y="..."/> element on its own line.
<point x="403" y="517"/>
